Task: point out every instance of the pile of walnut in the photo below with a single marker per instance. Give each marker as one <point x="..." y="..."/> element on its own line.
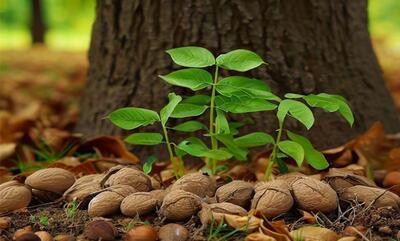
<point x="132" y="192"/>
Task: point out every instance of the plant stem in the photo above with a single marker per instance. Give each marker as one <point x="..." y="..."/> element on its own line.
<point x="274" y="153"/>
<point x="214" y="143"/>
<point x="177" y="164"/>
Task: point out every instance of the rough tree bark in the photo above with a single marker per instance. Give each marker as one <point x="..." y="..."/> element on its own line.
<point x="38" y="28"/>
<point x="311" y="46"/>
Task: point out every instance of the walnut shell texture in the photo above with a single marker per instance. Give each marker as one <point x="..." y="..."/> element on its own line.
<point x="236" y="192"/>
<point x="273" y="198"/>
<point x="378" y="196"/>
<point x="179" y="205"/>
<point x="131" y="177"/>
<point x="14" y="197"/>
<point x="104" y="204"/>
<point x="339" y="180"/>
<point x="51" y="179"/>
<point x="313" y="195"/>
<point x="197" y="183"/>
<point x="138" y="203"/>
<point x="83" y="187"/>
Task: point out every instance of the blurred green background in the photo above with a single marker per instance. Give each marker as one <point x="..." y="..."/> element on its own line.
<point x="68" y="23"/>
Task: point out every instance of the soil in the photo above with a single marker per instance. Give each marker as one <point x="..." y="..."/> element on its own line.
<point x="373" y="223"/>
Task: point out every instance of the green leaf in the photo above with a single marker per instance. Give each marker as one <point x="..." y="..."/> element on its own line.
<point x="236" y="105"/>
<point x="254" y="139"/>
<point x="129" y="118"/>
<point x="315" y="158"/>
<point x="191" y="56"/>
<point x="193" y="146"/>
<point x="297" y="110"/>
<point x="197" y="100"/>
<point x="194" y="79"/>
<point x="344" y="108"/>
<point x="321" y="102"/>
<point x="218" y="154"/>
<point x="190" y="126"/>
<point x="239" y="60"/>
<point x="148" y="165"/>
<point x="292" y="149"/>
<point x="240" y="153"/>
<point x="221" y="123"/>
<point x="245" y="87"/>
<point x="166" y="112"/>
<point x="183" y="110"/>
<point x="281" y="164"/>
<point x="148" y="139"/>
<point x="293" y="96"/>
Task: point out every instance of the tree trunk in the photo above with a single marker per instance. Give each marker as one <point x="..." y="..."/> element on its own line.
<point x="311" y="46"/>
<point x="38" y="27"/>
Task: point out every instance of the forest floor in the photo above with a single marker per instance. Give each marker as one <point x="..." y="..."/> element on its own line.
<point x="39" y="106"/>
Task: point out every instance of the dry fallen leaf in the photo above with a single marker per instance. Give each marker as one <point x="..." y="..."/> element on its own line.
<point x="7" y="150"/>
<point x="109" y="146"/>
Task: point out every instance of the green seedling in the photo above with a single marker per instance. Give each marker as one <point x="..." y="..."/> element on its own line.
<point x="232" y="94"/>
<point x="218" y="98"/>
<point x="148" y="165"/>
<point x="71" y="209"/>
<point x="42" y="220"/>
<point x="299" y="147"/>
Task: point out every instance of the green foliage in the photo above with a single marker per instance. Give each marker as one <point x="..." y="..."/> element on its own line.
<point x="231" y="94"/>
<point x="42" y="220"/>
<point x="148" y="165"/>
<point x="71" y="209"/>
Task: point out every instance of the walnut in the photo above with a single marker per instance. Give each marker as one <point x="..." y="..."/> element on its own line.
<point x="179" y="205"/>
<point x="83" y="187"/>
<point x="138" y="203"/>
<point x="313" y="195"/>
<point x="131" y="177"/>
<point x="272" y="198"/>
<point x="236" y="192"/>
<point x="108" y="202"/>
<point x="14" y="196"/>
<point x="51" y="179"/>
<point x="291" y="177"/>
<point x="339" y="180"/>
<point x="371" y="195"/>
<point x="100" y="230"/>
<point x="159" y="195"/>
<point x="197" y="183"/>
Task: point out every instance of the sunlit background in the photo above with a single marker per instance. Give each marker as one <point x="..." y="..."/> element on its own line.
<point x="68" y="28"/>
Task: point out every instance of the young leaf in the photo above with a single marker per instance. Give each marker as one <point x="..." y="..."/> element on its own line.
<point x="149" y="139"/>
<point x="183" y="110"/>
<point x="281" y="165"/>
<point x="344" y="108"/>
<point x="239" y="153"/>
<point x="190" y="126"/>
<point x="148" y="165"/>
<point x="195" y="57"/>
<point x="240" y="60"/>
<point x="321" y="102"/>
<point x="193" y="146"/>
<point x="315" y="158"/>
<point x="221" y="123"/>
<point x="297" y="110"/>
<point x="197" y="100"/>
<point x="293" y="96"/>
<point x="194" y="79"/>
<point x="218" y="154"/>
<point x="254" y="139"/>
<point x="236" y="105"/>
<point x="292" y="149"/>
<point x="245" y="87"/>
<point x="129" y="118"/>
<point x="166" y="112"/>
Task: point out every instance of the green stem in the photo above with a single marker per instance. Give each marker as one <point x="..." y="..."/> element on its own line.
<point x="274" y="153"/>
<point x="176" y="163"/>
<point x="214" y="143"/>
